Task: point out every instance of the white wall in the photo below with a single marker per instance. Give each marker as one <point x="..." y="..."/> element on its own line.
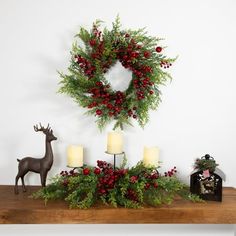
<point x="197" y="115"/>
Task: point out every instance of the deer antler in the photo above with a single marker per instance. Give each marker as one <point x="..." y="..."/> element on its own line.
<point x="36" y="129"/>
<point x="47" y="130"/>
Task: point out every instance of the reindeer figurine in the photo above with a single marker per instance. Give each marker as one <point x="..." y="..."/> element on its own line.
<point x="42" y="165"/>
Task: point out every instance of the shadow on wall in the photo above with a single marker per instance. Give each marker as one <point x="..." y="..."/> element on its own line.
<point x="40" y="102"/>
<point x="42" y="97"/>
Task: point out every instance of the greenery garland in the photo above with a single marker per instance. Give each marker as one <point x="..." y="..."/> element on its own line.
<point x="129" y="188"/>
<point x="205" y="163"/>
<point x="137" y="52"/>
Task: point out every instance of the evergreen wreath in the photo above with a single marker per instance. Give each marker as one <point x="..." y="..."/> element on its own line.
<point x="137" y="52"/>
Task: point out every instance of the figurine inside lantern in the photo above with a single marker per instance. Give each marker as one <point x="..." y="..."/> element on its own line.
<point x="206" y="180"/>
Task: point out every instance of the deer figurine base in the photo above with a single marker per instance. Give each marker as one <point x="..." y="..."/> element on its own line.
<point x="37" y="165"/>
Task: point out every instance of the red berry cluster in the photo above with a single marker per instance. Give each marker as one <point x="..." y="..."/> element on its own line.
<point x="97" y="53"/>
<point x="171" y="172"/>
<point x="110" y="176"/>
<point x="132" y="112"/>
<point x="97" y="45"/>
<point x="111" y="103"/>
<point x="67" y="174"/>
<point x="86" y="66"/>
<point x="132" y="195"/>
<point x="165" y="64"/>
<point x="151" y="180"/>
<point x="133" y="179"/>
<point x="127" y="57"/>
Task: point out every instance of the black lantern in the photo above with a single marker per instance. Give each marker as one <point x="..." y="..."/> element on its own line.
<point x="206" y="181"/>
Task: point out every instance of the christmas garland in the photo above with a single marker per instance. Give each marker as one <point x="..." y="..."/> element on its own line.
<point x="131" y="188"/>
<point x="137" y="52"/>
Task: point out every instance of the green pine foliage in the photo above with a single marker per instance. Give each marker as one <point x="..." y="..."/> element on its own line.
<point x="130" y="188"/>
<point x="85" y="80"/>
<point x="205" y="164"/>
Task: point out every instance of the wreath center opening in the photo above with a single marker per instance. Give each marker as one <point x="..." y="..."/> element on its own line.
<point x="118" y="77"/>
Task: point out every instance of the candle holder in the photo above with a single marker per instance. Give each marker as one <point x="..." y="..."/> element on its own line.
<point x="114" y="156"/>
<point x="74" y="168"/>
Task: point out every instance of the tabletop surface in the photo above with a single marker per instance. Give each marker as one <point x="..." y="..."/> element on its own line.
<point x="22" y="209"/>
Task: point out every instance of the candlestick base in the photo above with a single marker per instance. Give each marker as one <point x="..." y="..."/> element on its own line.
<point x="74" y="168"/>
<point x="114" y="155"/>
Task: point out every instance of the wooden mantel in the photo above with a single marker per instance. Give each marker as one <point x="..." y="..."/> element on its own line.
<point x="20" y="209"/>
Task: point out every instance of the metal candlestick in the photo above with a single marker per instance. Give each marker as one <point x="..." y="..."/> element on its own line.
<point x="114" y="156"/>
<point x="74" y="168"/>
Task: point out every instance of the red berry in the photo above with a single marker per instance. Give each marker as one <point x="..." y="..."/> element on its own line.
<point x="158" y="49"/>
<point x="134" y="54"/>
<point x="99" y="112"/>
<point x="127" y="35"/>
<point x="155" y="185"/>
<point x="97" y="171"/>
<point x="132" y="41"/>
<point x="92" y="42"/>
<point x="135" y="116"/>
<point x="147" y="186"/>
<point x="94" y="55"/>
<point x="86" y="171"/>
<point x="102" y="191"/>
<point x="147" y="54"/>
<point x="151" y="92"/>
<point x="133" y="179"/>
<point x="99" y="83"/>
<point x="109" y="106"/>
<point x="154" y="176"/>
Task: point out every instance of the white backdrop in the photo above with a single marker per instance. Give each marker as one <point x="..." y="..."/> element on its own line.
<point x="197" y="115"/>
<point x="198" y="112"/>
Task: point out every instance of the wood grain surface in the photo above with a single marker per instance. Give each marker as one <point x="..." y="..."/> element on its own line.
<point x="21" y="209"/>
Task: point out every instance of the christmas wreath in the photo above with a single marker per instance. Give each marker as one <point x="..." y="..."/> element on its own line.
<point x="137" y="52"/>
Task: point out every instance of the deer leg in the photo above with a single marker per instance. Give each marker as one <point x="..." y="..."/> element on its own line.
<point x="43" y="176"/>
<point x="16" y="184"/>
<point x="23" y="183"/>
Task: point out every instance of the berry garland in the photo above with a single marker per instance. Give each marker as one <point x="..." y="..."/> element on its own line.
<point x="137" y="52"/>
<point x="129" y="188"/>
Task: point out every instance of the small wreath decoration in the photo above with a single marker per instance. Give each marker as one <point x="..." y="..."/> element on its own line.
<point x="137" y="52"/>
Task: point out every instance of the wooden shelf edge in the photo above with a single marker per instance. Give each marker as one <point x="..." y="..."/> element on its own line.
<point x="20" y="209"/>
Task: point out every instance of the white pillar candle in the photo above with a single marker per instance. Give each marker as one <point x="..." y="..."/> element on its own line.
<point x="75" y="156"/>
<point x="114" y="142"/>
<point x="151" y="156"/>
